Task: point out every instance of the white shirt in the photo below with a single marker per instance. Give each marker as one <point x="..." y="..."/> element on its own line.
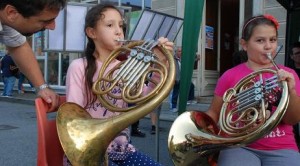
<point x="10" y="37"/>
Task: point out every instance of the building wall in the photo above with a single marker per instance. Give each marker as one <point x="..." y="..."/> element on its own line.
<point x="165" y="6"/>
<point x="171" y="7"/>
<point x="274" y="8"/>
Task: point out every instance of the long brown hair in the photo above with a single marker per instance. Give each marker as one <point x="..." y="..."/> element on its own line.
<point x="91" y="19"/>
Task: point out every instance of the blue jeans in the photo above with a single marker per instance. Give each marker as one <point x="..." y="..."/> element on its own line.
<point x="175" y="93"/>
<point x="21" y="80"/>
<point x="170" y="98"/>
<point x="9" y="83"/>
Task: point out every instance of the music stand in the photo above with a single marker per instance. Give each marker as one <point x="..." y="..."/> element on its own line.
<point x="152" y="25"/>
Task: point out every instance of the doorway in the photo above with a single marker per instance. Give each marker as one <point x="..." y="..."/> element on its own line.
<point x="229" y="36"/>
<point x="218" y="41"/>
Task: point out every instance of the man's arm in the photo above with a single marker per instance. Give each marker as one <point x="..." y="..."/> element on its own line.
<point x="24" y="58"/>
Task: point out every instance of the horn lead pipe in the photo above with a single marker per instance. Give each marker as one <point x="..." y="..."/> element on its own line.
<point x="272" y="60"/>
<point x="124" y="40"/>
<point x="269" y="55"/>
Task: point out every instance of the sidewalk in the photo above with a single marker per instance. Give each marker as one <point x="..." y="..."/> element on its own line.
<point x="18" y="120"/>
<point x="165" y="114"/>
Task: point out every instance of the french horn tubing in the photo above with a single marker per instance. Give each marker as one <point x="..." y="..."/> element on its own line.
<point x="85" y="139"/>
<point x="245" y="117"/>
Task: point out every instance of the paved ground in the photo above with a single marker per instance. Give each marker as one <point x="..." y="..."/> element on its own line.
<point x="165" y="114"/>
<point x="18" y="132"/>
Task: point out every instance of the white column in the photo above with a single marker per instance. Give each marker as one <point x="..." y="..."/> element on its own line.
<point x="143" y="4"/>
<point x="241" y="19"/>
<point x="257" y="7"/>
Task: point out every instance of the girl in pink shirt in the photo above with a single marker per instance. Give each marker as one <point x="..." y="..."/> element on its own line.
<point x="259" y="38"/>
<point x="103" y="27"/>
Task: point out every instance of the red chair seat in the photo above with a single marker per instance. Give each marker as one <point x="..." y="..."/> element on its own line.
<point x="50" y="152"/>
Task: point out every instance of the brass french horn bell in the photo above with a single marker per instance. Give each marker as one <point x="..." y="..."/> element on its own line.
<point x="85" y="139"/>
<point x="245" y="117"/>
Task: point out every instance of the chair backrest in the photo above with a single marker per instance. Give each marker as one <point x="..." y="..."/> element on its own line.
<point x="50" y="152"/>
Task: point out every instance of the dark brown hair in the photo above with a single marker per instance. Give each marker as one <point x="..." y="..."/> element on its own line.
<point x="253" y="22"/>
<point x="91" y="19"/>
<point x="28" y="8"/>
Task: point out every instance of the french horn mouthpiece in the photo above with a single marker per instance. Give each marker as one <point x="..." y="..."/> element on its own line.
<point x="122" y="40"/>
<point x="269" y="56"/>
<point x="125" y="40"/>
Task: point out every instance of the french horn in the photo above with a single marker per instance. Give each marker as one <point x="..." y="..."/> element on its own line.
<point x="194" y="138"/>
<point x="85" y="139"/>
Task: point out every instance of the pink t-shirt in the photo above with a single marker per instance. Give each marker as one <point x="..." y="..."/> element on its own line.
<point x="282" y="137"/>
<point x="75" y="92"/>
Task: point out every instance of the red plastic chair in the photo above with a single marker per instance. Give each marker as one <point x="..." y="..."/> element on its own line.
<point x="50" y="152"/>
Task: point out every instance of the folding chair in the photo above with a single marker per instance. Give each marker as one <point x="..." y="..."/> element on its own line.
<point x="50" y="152"/>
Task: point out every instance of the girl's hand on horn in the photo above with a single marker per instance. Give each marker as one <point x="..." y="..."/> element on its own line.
<point x="165" y="43"/>
<point x="288" y="77"/>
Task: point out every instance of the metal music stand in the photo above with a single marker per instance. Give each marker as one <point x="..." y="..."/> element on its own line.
<point x="152" y="25"/>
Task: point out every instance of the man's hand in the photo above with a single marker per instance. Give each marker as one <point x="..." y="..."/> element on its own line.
<point x="50" y="97"/>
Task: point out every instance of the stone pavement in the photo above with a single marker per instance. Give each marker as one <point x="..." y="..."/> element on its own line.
<point x="165" y="114"/>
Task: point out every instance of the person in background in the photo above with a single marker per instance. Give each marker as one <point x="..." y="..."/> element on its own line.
<point x="20" y="84"/>
<point x="10" y="73"/>
<point x="104" y="27"/>
<point x="154" y="119"/>
<point x="295" y="56"/>
<point x="239" y="57"/>
<point x="20" y="18"/>
<point x="175" y="91"/>
<point x="135" y="130"/>
<point x="277" y="148"/>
